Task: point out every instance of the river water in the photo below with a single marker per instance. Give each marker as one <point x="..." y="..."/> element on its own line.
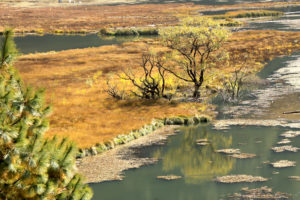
<point x="283" y="79"/>
<point x="290" y="21"/>
<point x="35" y="43"/>
<point x="199" y="165"/>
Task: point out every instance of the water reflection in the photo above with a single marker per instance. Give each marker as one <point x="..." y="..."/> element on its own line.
<point x="197" y="163"/>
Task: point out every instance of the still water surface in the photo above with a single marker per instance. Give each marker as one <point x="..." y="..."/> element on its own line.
<point x="35" y="43"/>
<point x="200" y="164"/>
<point x="282" y="78"/>
<point x="181" y="156"/>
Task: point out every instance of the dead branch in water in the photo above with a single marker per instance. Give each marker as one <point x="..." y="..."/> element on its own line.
<point x="291" y="112"/>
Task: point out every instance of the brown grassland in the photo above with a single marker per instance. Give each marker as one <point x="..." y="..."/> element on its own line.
<point x="89" y="18"/>
<point x="87" y="114"/>
<point x="83" y="19"/>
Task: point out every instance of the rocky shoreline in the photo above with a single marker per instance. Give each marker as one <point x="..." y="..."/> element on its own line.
<point x="107" y="161"/>
<point x="110" y="165"/>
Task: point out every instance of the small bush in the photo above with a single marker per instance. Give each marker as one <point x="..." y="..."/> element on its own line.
<point x="129" y="32"/>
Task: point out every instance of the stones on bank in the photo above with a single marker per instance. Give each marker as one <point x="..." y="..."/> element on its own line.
<point x="258" y="194"/>
<point x="296" y="178"/>
<point x="169" y="177"/>
<point x="243" y="155"/>
<point x="288" y="148"/>
<point x="283" y="164"/>
<point x="229" y="151"/>
<point x="145" y="130"/>
<point x="290" y="134"/>
<point x="240" y="179"/>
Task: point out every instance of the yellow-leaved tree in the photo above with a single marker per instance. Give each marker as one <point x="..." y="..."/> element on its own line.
<point x="196" y="45"/>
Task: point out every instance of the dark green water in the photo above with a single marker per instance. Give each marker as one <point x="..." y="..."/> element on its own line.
<point x="181" y="156"/>
<point x="199" y="165"/>
<point x="45" y="43"/>
<point x="35" y="43"/>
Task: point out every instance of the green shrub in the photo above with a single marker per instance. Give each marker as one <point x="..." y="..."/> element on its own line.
<point x="129" y="32"/>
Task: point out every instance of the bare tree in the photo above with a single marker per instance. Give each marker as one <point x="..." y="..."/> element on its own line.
<point x="151" y="83"/>
<point x="114" y="91"/>
<point x="236" y="81"/>
<point x="234" y="84"/>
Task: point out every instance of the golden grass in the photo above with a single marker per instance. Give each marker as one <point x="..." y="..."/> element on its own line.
<point x="88" y="115"/>
<point x="87" y="19"/>
<point x="247" y="14"/>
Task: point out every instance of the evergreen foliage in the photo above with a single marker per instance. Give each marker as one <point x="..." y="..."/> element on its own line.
<point x="8" y="48"/>
<point x="31" y="166"/>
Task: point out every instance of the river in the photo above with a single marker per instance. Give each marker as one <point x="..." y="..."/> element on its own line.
<point x="199" y="165"/>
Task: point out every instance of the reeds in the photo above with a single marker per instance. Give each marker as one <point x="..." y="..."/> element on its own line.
<point x="248" y="14"/>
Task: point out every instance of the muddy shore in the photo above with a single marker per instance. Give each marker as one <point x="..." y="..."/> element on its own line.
<point x="111" y="165"/>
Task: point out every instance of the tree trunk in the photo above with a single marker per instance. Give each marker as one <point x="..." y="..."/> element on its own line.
<point x="196" y="93"/>
<point x="197" y="86"/>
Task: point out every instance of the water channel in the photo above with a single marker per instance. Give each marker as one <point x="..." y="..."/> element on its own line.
<point x="199" y="165"/>
<point x="35" y="43"/>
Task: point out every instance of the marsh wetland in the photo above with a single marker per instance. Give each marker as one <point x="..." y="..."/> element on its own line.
<point x="251" y="146"/>
<point x="199" y="165"/>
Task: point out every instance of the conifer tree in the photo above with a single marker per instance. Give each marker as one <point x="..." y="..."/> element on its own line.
<point x="31" y="166"/>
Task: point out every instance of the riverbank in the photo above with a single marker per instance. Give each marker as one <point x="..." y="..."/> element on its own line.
<point x="83" y="19"/>
<point x="75" y="81"/>
<point x="110" y="165"/>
